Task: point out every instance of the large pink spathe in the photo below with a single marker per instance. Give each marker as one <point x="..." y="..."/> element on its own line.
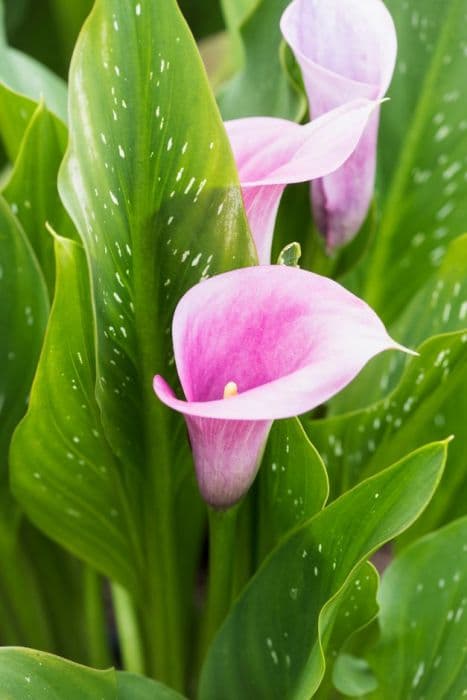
<point x="272" y="153"/>
<point x="289" y="339"/>
<point x="346" y="50"/>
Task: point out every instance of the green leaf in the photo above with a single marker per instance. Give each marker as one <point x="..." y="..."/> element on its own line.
<point x="356" y="445"/>
<point x="27" y="77"/>
<point x="356" y="608"/>
<point x="23" y="317"/>
<point x="262" y="86"/>
<point x="34" y="609"/>
<point x="423" y="147"/>
<point x="353" y="676"/>
<point x="423" y="621"/>
<point x="31" y="189"/>
<point x="290" y="255"/>
<point x="158" y="208"/>
<point x="270" y="644"/>
<point x="34" y="675"/>
<point x="440" y="306"/>
<point x="133" y="687"/>
<point x="23" y="83"/>
<point x="26" y="674"/>
<point x="85" y="507"/>
<point x="293" y="484"/>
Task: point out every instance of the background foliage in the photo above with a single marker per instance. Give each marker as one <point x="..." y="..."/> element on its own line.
<point x="147" y="204"/>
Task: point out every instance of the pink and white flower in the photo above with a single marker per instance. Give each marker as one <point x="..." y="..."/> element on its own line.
<point x="257" y="344"/>
<point x="346" y="50"/>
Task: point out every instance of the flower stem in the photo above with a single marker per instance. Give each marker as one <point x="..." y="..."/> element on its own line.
<point x="96" y="623"/>
<point x="222" y="535"/>
<point x="163" y="607"/>
<point x="129" y="636"/>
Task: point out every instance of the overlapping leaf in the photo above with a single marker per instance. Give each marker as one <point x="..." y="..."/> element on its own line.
<point x="23" y="316"/>
<point x="262" y="85"/>
<point x="422" y="651"/>
<point x="23" y="83"/>
<point x="150" y="184"/>
<point x="293" y="483"/>
<point x="157" y="206"/>
<point x="358" y="444"/>
<point x="31" y="189"/>
<point x="72" y="488"/>
<point x="423" y="149"/>
<point x="26" y="674"/>
<point x="356" y="609"/>
<point x="133" y="687"/>
<point x="439" y="307"/>
<point x="275" y="651"/>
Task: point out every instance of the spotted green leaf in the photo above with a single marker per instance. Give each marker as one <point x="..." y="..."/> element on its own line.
<point x="26" y="674"/>
<point x="426" y="403"/>
<point x="270" y="644"/>
<point x="293" y="484"/>
<point x="423" y="149"/>
<point x="84" y="506"/>
<point x="26" y="604"/>
<point x="157" y="207"/>
<point x="356" y="608"/>
<point x="150" y="184"/>
<point x="440" y="306"/>
<point x="23" y="316"/>
<point x="422" y="649"/>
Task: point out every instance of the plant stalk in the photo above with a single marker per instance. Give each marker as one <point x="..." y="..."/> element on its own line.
<point x="129" y="635"/>
<point x="96" y="622"/>
<point x="222" y="535"/>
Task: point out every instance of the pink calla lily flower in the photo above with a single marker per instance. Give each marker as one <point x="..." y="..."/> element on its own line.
<point x="272" y="153"/>
<point x="346" y="50"/>
<point x="257" y="344"/>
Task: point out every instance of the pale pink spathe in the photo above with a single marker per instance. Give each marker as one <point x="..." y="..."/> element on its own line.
<point x="272" y="153"/>
<point x="288" y="338"/>
<point x="346" y="50"/>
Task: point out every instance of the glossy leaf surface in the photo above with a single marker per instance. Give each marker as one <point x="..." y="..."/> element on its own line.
<point x="31" y="189"/>
<point x="293" y="484"/>
<point x="26" y="674"/>
<point x="274" y="651"/>
<point x="423" y="142"/>
<point x="356" y="608"/>
<point x="423" y="620"/>
<point x="72" y="489"/>
<point x="23" y="316"/>
<point x="158" y="208"/>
